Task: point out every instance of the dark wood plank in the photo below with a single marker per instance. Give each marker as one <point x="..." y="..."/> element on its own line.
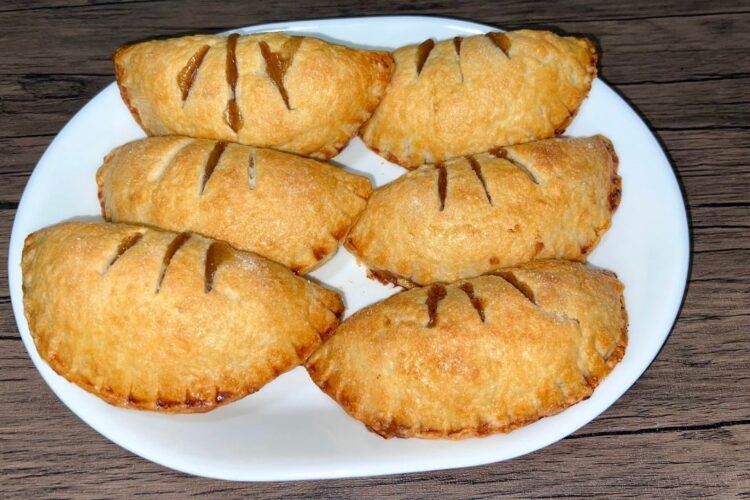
<point x="678" y="48"/>
<point x="61" y="5"/>
<point x="574" y="9"/>
<point x="19" y="157"/>
<point x="6" y="223"/>
<point x="34" y="105"/>
<point x="701" y="104"/>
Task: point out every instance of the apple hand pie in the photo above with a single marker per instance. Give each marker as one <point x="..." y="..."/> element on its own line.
<point x="479" y="356"/>
<point x="541" y="200"/>
<point x="163" y="321"/>
<point x="290" y="209"/>
<point x="297" y="94"/>
<point x="468" y="95"/>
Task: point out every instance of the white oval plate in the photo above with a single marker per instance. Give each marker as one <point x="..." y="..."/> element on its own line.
<point x="290" y="429"/>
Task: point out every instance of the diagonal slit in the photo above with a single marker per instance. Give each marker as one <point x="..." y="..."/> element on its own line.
<point x="167" y="159"/>
<point x="172" y="249"/>
<point x="502" y="153"/>
<point x="252" y="171"/>
<point x="457" y="45"/>
<point x="186" y="76"/>
<point x="435" y="294"/>
<point x="217" y="254"/>
<point x="126" y="244"/>
<point x="501" y="41"/>
<point x="476" y="302"/>
<point x="519" y="285"/>
<point x="527" y="292"/>
<point x="213" y="160"/>
<point x="232" y="114"/>
<point x="442" y="184"/>
<point x="277" y="64"/>
<point x="477" y="168"/>
<point x="423" y="52"/>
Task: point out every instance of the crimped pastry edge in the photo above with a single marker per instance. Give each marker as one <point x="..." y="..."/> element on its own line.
<point x="614" y="197"/>
<point x="120" y="79"/>
<point x="381" y="60"/>
<point x="593" y="72"/>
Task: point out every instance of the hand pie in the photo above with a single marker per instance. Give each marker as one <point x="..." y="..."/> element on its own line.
<point x="297" y="94"/>
<point x="166" y="322"/>
<point x="290" y="209"/>
<point x="546" y="199"/>
<point x="476" y="357"/>
<point x="468" y="95"/>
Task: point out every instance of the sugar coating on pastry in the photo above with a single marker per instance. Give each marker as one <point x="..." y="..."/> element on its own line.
<point x="164" y="321"/>
<point x="466" y="95"/>
<point x="290" y="209"/>
<point x="465" y="217"/>
<point x="479" y="356"/>
<point x="297" y="94"/>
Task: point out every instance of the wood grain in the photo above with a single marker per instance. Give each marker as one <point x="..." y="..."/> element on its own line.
<point x="682" y="430"/>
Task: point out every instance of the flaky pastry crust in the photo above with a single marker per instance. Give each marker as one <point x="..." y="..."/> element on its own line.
<point x="476" y="357"/>
<point x="290" y="209"/>
<point x="472" y="94"/>
<point x="166" y="322"/>
<point x="297" y="94"/>
<point x="547" y="199"/>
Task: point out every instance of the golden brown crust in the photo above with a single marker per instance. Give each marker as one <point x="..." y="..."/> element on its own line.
<point x="541" y="200"/>
<point x="547" y="334"/>
<point x="478" y="94"/>
<point x="311" y="100"/>
<point x="290" y="209"/>
<point x="123" y="312"/>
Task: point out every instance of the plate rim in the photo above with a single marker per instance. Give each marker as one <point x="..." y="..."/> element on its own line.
<point x="14" y="271"/>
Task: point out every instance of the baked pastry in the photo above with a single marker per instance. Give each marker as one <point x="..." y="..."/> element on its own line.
<point x="166" y="322"/>
<point x="546" y="199"/>
<point x="297" y="94"/>
<point x="476" y="357"/>
<point x="467" y="95"/>
<point x="290" y="209"/>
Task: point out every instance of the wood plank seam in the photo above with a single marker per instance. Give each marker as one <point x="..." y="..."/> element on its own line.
<point x="655" y="430"/>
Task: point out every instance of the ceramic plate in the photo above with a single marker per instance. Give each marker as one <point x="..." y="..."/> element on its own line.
<point x="290" y="429"/>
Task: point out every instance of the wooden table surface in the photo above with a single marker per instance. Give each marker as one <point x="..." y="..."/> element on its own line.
<point x="683" y="429"/>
